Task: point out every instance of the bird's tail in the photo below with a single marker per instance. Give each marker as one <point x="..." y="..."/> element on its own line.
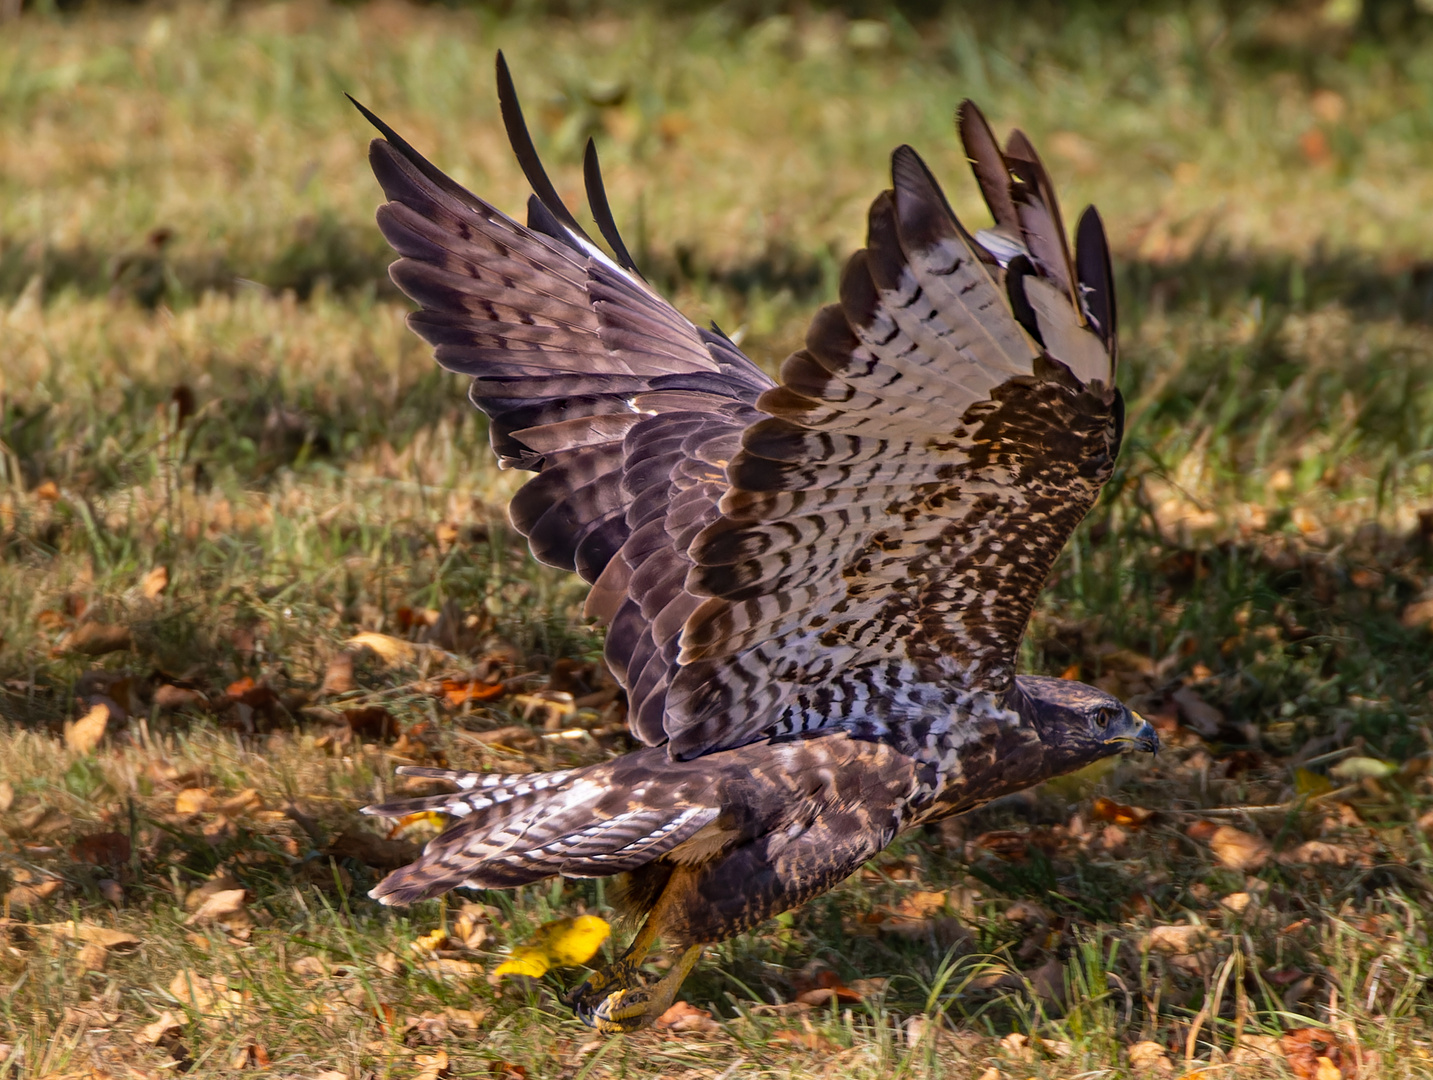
<point x="519" y="828"/>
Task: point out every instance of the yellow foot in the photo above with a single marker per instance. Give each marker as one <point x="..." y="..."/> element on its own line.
<point x="617" y="1001"/>
<point x="616" y="977"/>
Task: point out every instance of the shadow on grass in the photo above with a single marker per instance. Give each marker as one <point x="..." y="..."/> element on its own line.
<point x="344" y="258"/>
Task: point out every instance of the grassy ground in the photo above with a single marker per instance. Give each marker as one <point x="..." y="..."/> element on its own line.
<point x="221" y="456"/>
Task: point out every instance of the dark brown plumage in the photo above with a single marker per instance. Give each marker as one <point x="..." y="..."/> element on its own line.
<point x="814" y="589"/>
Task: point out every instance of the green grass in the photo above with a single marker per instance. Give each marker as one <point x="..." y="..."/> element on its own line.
<point x="203" y="367"/>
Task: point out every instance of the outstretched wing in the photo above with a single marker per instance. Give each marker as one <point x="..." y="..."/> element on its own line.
<point x="627" y="412"/>
<point x="890" y="524"/>
<point x="857" y="544"/>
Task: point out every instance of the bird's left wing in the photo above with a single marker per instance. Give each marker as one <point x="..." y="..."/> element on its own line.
<point x="891" y="522"/>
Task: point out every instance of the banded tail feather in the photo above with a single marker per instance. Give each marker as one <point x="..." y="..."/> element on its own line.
<point x="516" y="829"/>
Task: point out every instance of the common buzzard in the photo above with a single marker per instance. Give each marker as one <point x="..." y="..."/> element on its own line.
<point x="814" y="587"/>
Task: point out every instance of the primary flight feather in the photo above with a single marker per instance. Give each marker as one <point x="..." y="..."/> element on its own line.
<point x="814" y="587"/>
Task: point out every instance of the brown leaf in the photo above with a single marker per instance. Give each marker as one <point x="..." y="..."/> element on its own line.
<point x="155" y="582"/>
<point x="514" y="737"/>
<point x="1321" y="853"/>
<point x="84" y="734"/>
<point x="1177" y="940"/>
<point x="390" y="650"/>
<point x="27" y="897"/>
<point x="47" y="490"/>
<point x="170" y="697"/>
<point x="372" y="849"/>
<point x="809" y="1040"/>
<point x="371" y="722"/>
<point x="96" y="639"/>
<point x="1148" y="1056"/>
<point x="1315" y="1054"/>
<point x="252" y="1056"/>
<point x="338" y="675"/>
<point x="242" y="803"/>
<point x="92" y="957"/>
<point x="256" y="695"/>
<point x="458" y="692"/>
<point x="221" y="906"/>
<point x="1129" y="817"/>
<point x="1007" y="843"/>
<point x="194" y="800"/>
<point x="7" y="795"/>
<point x="1196" y="713"/>
<point x="102" y="849"/>
<point x="683" y="1016"/>
<point x="166" y="1027"/>
<point x="1239" y="850"/>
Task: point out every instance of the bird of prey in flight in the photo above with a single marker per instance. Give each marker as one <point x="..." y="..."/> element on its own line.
<point x="814" y="586"/>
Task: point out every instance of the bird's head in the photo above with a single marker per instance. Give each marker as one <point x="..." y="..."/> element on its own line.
<point x="1080" y="722"/>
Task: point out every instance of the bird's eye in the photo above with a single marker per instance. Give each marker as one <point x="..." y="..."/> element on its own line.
<point x="1103" y="717"/>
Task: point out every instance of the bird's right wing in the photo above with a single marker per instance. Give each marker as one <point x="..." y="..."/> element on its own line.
<point x="891" y="521"/>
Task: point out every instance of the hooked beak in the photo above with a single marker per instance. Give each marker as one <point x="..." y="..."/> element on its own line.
<point x="1134" y="732"/>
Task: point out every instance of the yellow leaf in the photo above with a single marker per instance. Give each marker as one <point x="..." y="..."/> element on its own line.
<point x="1307" y="782"/>
<point x="85" y="734"/>
<point x="562" y="943"/>
<point x="390" y="650"/>
<point x="1359" y="768"/>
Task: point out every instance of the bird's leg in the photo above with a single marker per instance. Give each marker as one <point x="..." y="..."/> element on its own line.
<point x="635" y="1007"/>
<point x="621" y="974"/>
<point x="618" y="998"/>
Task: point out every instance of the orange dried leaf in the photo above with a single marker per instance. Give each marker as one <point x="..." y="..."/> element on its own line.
<point x="683" y="1016"/>
<point x="47" y="490"/>
<point x="193" y="800"/>
<point x="457" y="692"/>
<point x="1129" y="817"/>
<point x="155" y="582"/>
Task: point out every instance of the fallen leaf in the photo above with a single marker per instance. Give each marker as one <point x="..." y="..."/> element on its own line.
<point x="1322" y="853"/>
<point x="371" y="722"/>
<point x="1239" y="850"/>
<point x="809" y="1039"/>
<point x="26" y="897"/>
<point x="47" y="490"/>
<point x="256" y="695"/>
<point x="166" y="1027"/>
<point x="1196" y="713"/>
<point x="96" y="639"/>
<point x="169" y="697"/>
<point x="102" y="849"/>
<point x="219" y="907"/>
<point x="1129" y="817"/>
<point x="252" y="1056"/>
<point x="338" y="675"/>
<point x="390" y="650"/>
<point x="1314" y="1054"/>
<point x="309" y="967"/>
<point x="432" y="1066"/>
<point x="1177" y="940"/>
<point x="560" y="943"/>
<point x="372" y="849"/>
<point x="155" y="582"/>
<point x="194" y="801"/>
<point x="513" y="737"/>
<point x="683" y="1016"/>
<point x="244" y="802"/>
<point x="1353" y="769"/>
<point x="84" y="734"/>
<point x="458" y="692"/>
<point x="92" y="957"/>
<point x="1148" y="1056"/>
<point x="7" y="795"/>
